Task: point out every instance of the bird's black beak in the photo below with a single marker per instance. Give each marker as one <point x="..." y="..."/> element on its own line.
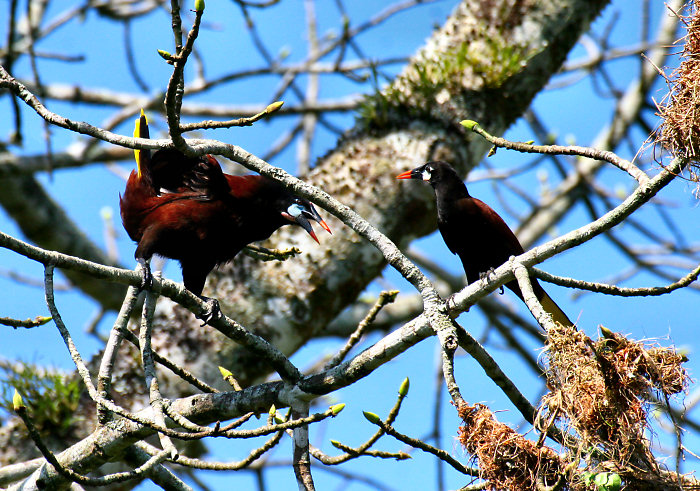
<point x="410" y="174"/>
<point x="301" y="220"/>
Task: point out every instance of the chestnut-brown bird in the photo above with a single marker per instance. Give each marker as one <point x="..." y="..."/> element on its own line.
<point x="187" y="209"/>
<point x="473" y="231"/>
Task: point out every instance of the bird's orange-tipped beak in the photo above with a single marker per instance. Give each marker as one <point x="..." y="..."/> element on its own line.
<point x="405" y="175"/>
<point x="325" y="227"/>
<point x="313" y="236"/>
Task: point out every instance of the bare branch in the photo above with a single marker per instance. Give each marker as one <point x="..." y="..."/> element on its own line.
<point x="618" y="290"/>
<point x="385" y="298"/>
<point x="588" y="152"/>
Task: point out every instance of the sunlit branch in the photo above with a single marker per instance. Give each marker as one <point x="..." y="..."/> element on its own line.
<point x="154" y="395"/>
<point x="618" y="290"/>
<point x="385" y="298"/>
<point x="587" y="152"/>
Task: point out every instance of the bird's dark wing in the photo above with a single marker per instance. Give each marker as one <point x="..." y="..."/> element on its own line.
<point x="191" y="177"/>
<point x="478" y="235"/>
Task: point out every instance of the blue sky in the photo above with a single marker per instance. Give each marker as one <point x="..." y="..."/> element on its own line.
<point x="575" y="111"/>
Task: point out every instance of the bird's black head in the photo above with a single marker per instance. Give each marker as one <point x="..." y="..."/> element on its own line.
<point x="432" y="172"/>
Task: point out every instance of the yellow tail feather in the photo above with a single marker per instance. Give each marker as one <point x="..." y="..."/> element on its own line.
<point x="140" y="131"/>
<point x="553" y="309"/>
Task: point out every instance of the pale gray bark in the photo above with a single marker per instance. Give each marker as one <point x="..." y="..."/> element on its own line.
<point x="413" y="122"/>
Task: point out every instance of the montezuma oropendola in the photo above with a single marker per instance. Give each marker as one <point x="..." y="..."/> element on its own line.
<point x="187" y="209"/>
<point x="473" y="231"/>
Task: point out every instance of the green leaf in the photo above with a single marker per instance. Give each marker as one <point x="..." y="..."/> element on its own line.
<point x="337" y="408"/>
<point x="199" y="5"/>
<point x="608" y="481"/>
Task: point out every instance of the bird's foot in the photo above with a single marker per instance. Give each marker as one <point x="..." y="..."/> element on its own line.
<point x="211" y="312"/>
<point x="146" y="275"/>
<point x="484" y="276"/>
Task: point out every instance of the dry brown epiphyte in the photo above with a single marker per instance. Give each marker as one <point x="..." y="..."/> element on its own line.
<point x="600" y="393"/>
<point x="679" y="132"/>
<point x="506" y="459"/>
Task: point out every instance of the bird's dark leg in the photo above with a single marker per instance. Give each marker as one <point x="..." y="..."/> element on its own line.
<point x="194" y="275"/>
<point x="484" y="276"/>
<point x="144" y="268"/>
<point x="212" y="311"/>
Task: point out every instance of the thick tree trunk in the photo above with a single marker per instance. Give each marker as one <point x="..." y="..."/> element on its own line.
<point x="486" y="63"/>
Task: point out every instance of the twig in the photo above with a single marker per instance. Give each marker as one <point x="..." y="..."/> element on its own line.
<point x="173" y="367"/>
<point x="21" y="91"/>
<point x="350" y="452"/>
<point x="415" y="443"/>
<point x="264" y="254"/>
<point x="159" y="474"/>
<point x="437" y="415"/>
<point x="228" y="377"/>
<point x="208" y="125"/>
<point x="312" y="89"/>
<point x="176" y="23"/>
<point x="385" y="297"/>
<point x="618" y="290"/>
<point x="31" y="41"/>
<point x="448" y="367"/>
<point x="588" y="152"/>
<point x="82" y="368"/>
<point x="155" y="397"/>
<point x="498" y="376"/>
<point x="225" y="432"/>
<point x="37" y="321"/>
<point x="182" y="421"/>
<point x="626" y="113"/>
<point x="176" y="84"/>
<point x="301" y="461"/>
<point x="130" y="59"/>
<point x="67" y="339"/>
<point x="254" y="455"/>
<point x="109" y="356"/>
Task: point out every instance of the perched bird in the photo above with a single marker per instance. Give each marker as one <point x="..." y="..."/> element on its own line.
<point x="186" y="208"/>
<point x="473" y="231"/>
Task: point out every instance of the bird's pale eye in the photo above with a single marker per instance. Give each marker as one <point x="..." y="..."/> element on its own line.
<point x="426" y="174"/>
<point x="295" y="210"/>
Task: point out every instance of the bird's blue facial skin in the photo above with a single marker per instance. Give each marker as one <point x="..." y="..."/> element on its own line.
<point x="295" y="210"/>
